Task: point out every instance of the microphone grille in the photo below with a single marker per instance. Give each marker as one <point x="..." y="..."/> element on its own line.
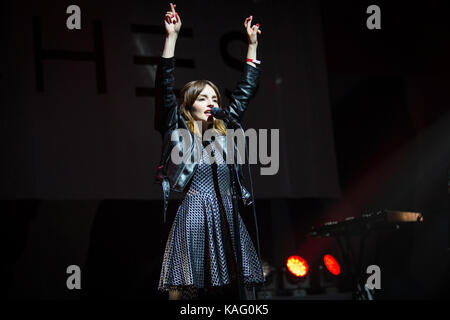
<point x="215" y="111"/>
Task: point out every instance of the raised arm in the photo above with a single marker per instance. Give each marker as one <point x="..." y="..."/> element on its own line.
<point x="165" y="98"/>
<point x="172" y="23"/>
<point x="252" y="33"/>
<point x="248" y="82"/>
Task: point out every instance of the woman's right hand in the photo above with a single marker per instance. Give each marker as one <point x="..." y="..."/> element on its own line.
<point x="172" y="21"/>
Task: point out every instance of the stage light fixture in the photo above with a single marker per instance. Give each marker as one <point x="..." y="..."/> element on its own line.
<point x="329" y="274"/>
<point x="297" y="266"/>
<point x="332" y="265"/>
<point x="295" y="277"/>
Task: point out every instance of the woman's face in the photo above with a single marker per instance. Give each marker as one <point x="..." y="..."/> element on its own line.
<point x="206" y="100"/>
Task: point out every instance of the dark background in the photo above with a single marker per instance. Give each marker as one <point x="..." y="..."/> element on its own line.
<point x="378" y="129"/>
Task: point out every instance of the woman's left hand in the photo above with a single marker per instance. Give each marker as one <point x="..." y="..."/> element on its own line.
<point x="251" y="31"/>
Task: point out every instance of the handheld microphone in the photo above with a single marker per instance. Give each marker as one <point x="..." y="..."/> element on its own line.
<point x="224" y="114"/>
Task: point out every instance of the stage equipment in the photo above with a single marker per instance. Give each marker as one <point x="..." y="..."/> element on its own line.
<point x="296" y="277"/>
<point x="382" y="220"/>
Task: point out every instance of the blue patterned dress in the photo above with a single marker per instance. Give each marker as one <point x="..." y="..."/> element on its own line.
<point x="199" y="248"/>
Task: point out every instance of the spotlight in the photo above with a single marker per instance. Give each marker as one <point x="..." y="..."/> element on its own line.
<point x="331" y="264"/>
<point x="297" y="266"/>
<point x="330" y="271"/>
<point x="295" y="276"/>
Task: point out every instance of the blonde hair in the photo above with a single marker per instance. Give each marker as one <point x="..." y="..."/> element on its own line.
<point x="188" y="95"/>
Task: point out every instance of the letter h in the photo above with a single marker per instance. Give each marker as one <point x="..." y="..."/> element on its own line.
<point x="153" y="60"/>
<point x="96" y="56"/>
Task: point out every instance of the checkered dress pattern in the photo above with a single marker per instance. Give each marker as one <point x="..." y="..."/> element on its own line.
<point x="200" y="248"/>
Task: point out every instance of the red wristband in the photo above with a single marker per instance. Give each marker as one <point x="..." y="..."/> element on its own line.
<point x="254" y="61"/>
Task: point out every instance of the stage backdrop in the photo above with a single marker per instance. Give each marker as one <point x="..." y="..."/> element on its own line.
<point x="78" y="106"/>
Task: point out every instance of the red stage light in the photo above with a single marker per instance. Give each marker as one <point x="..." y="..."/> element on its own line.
<point x="297" y="266"/>
<point x="332" y="264"/>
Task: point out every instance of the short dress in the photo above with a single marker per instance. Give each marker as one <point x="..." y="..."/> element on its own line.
<point x="200" y="248"/>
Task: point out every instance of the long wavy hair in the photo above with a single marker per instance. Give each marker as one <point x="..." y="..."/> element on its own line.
<point x="188" y="95"/>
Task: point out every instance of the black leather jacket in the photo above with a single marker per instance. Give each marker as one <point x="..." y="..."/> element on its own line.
<point x="168" y="118"/>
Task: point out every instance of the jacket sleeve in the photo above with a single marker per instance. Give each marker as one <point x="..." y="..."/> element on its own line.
<point x="166" y="106"/>
<point x="244" y="91"/>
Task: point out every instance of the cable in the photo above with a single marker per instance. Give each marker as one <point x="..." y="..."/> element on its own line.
<point x="252" y="193"/>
